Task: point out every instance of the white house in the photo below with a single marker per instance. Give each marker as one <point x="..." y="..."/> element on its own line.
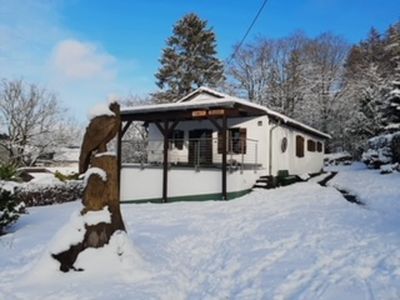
<point x="209" y="145"/>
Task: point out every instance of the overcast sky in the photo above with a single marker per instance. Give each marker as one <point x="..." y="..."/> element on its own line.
<point x="86" y="50"/>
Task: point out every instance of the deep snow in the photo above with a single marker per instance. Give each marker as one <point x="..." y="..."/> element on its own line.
<point x="303" y="241"/>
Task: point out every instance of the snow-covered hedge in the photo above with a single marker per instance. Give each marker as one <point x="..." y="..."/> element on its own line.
<point x="10" y="209"/>
<point x="47" y="194"/>
<point x="382" y="150"/>
<point x="336" y="158"/>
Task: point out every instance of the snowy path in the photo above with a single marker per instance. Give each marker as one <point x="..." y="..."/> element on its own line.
<point x="299" y="242"/>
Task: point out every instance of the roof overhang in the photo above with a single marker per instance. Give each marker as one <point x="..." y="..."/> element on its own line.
<point x="232" y="107"/>
<point x="185" y="111"/>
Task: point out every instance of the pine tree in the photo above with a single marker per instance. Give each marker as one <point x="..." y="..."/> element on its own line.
<point x="189" y="60"/>
<point x="371" y="89"/>
<point x="392" y="111"/>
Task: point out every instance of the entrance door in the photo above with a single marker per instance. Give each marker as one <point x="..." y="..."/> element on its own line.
<point x="200" y="147"/>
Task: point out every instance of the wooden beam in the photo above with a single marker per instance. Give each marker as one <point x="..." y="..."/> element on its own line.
<point x="224" y="131"/>
<point x="125" y="128"/>
<point x="119" y="159"/>
<point x="159" y="116"/>
<point x="215" y="123"/>
<point x="172" y="127"/>
<point x="162" y="130"/>
<point x="181" y="115"/>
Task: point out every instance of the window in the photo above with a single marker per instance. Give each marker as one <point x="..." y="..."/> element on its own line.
<point x="284" y="145"/>
<point x="177" y="138"/>
<point x="319" y="146"/>
<point x="311" y="145"/>
<point x="236" y="141"/>
<point x="299" y="146"/>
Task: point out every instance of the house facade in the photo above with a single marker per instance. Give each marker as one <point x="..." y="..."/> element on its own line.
<point x="209" y="145"/>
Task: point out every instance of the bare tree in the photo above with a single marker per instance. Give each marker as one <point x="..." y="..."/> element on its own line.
<point x="324" y="61"/>
<point x="30" y="117"/>
<point x="134" y="143"/>
<point x="250" y="70"/>
<point x="270" y="72"/>
<point x="287" y="85"/>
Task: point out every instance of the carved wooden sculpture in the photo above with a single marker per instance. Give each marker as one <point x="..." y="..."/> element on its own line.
<point x="100" y="131"/>
<point x="100" y="191"/>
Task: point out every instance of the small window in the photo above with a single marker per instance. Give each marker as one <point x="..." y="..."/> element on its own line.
<point x="284" y="144"/>
<point x="236" y="141"/>
<point x="259" y="123"/>
<point x="177" y="138"/>
<point x="299" y="146"/>
<point x="319" y="146"/>
<point x="311" y="145"/>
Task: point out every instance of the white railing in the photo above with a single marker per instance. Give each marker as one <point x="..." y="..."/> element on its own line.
<point x="195" y="153"/>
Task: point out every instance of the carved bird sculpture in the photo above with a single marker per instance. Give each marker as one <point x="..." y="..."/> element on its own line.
<point x="101" y="130"/>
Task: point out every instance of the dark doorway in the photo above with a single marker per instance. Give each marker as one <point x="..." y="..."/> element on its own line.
<point x="200" y="147"/>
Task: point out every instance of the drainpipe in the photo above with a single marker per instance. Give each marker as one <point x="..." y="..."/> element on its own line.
<point x="270" y="145"/>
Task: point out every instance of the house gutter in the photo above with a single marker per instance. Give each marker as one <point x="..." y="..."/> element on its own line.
<point x="270" y="144"/>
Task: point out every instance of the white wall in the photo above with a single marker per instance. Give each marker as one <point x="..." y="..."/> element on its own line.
<point x="312" y="162"/>
<point x="138" y="184"/>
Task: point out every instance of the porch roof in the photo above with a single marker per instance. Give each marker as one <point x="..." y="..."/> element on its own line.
<point x="234" y="107"/>
<point x="183" y="111"/>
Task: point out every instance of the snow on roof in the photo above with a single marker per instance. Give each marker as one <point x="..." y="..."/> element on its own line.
<point x="202" y="89"/>
<point x="223" y="100"/>
<point x="176" y="106"/>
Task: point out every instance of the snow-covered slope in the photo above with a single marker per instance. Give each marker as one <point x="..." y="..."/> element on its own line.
<point x="298" y="242"/>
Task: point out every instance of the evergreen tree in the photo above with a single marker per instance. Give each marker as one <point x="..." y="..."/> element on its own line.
<point x="370" y="89"/>
<point x="10" y="210"/>
<point x="189" y="60"/>
<point x="392" y="111"/>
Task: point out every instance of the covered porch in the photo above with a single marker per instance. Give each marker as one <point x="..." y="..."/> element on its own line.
<point x="203" y="167"/>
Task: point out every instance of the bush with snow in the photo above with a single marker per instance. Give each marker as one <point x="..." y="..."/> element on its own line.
<point x="46" y="194"/>
<point x="382" y="150"/>
<point x="389" y="168"/>
<point x="10" y="209"/>
<point x="336" y="158"/>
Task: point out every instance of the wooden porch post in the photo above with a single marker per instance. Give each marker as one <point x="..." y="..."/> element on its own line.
<point x="224" y="128"/>
<point x="165" y="163"/>
<point x="119" y="160"/>
<point x="120" y="135"/>
<point x="166" y="131"/>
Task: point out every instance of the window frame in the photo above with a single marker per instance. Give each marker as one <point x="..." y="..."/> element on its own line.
<point x="319" y="146"/>
<point x="234" y="144"/>
<point x="300" y="146"/>
<point x="311" y="145"/>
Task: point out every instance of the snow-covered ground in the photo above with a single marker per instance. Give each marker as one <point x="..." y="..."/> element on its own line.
<point x="303" y="241"/>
